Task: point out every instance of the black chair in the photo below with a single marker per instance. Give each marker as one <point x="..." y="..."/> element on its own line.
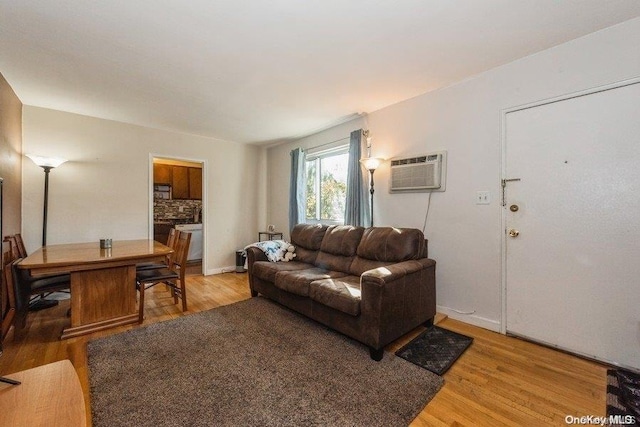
<point x="38" y="288"/>
<point x="8" y="308"/>
<point x="173" y="275"/>
<point x="26" y="285"/>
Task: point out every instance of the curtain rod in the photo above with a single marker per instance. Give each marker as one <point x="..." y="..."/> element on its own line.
<point x="329" y="143"/>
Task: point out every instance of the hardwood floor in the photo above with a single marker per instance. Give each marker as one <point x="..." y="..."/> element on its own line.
<point x="499" y="380"/>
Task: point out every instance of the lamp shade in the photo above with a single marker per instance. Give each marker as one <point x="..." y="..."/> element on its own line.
<point x="371" y="163"/>
<point x="46" y="162"/>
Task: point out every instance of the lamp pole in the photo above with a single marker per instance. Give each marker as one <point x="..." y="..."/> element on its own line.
<point x="371" y="191"/>
<point x="371" y="164"/>
<point x="47" y="169"/>
<point x="46" y="163"/>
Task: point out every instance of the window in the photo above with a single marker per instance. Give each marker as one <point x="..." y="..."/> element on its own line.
<point x="326" y="174"/>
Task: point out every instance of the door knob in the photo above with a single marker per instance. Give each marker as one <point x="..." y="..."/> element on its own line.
<point x="513" y="232"/>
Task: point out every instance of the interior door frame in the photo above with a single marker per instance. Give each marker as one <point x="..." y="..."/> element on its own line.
<point x="503" y="171"/>
<point x="204" y="213"/>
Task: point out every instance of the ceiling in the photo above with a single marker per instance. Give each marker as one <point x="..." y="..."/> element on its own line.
<point x="256" y="71"/>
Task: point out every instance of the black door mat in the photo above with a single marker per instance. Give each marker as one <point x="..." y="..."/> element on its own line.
<point x="435" y="349"/>
<point x="623" y="396"/>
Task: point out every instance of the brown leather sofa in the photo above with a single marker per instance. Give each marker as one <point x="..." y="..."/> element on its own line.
<point x="373" y="285"/>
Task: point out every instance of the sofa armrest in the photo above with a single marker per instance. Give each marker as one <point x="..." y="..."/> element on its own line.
<point x="381" y="275"/>
<point x="396" y="299"/>
<point x="255" y="254"/>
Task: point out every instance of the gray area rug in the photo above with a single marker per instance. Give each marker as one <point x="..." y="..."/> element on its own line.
<point x="252" y="363"/>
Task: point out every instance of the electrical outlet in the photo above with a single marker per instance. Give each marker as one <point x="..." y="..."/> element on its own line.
<point x="181" y="209"/>
<point x="483" y="198"/>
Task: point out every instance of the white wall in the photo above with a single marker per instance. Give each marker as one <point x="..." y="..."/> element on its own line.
<point x="103" y="190"/>
<point x="464" y="119"/>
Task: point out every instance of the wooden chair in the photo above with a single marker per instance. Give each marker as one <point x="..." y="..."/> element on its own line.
<point x="38" y="288"/>
<point x="14" y="250"/>
<point x="8" y="307"/>
<point x="173" y="275"/>
<point x="19" y="243"/>
<point x="8" y="310"/>
<point x="171" y="242"/>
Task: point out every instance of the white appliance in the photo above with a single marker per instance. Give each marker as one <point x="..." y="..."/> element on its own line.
<point x="421" y="173"/>
<point x="195" y="248"/>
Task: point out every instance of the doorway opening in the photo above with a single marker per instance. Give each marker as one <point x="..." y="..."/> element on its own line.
<point x="177" y="201"/>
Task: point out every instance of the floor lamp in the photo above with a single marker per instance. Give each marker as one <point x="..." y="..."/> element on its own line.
<point x="46" y="163"/>
<point x="371" y="164"/>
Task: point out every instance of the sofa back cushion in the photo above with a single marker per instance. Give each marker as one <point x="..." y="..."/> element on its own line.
<point x="341" y="240"/>
<point x="339" y="247"/>
<point x="382" y="246"/>
<point x="307" y="239"/>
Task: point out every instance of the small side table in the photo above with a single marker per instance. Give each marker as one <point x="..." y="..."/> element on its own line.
<point x="270" y="235"/>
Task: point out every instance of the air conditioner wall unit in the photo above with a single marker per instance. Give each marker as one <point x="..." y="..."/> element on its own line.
<point x="419" y="173"/>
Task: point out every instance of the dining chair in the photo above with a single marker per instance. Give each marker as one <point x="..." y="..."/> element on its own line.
<point x="36" y="288"/>
<point x="29" y="289"/>
<point x="14" y="250"/>
<point x="173" y="275"/>
<point x="8" y="309"/>
<point x="171" y="242"/>
<point x="22" y="250"/>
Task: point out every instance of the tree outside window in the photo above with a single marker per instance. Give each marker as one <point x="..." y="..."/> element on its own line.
<point x="327" y="186"/>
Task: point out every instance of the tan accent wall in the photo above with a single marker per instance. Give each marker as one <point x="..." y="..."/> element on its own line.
<point x="11" y="157"/>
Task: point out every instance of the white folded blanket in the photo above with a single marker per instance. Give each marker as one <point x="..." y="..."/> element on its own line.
<point x="275" y="250"/>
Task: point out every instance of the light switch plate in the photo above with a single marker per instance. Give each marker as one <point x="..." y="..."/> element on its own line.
<point x="483" y="198"/>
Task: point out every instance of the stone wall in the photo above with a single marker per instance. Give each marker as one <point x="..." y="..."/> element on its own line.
<point x="170" y="209"/>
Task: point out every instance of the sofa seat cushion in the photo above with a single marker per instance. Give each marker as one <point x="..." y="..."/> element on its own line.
<point x="297" y="282"/>
<point x="267" y="270"/>
<point x="342" y="294"/>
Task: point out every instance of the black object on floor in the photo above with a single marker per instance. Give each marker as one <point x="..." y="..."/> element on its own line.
<point x="623" y="395"/>
<point x="41" y="304"/>
<point x="435" y="349"/>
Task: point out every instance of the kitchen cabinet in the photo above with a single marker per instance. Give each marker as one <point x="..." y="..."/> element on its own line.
<point x="162" y="174"/>
<point x="180" y="182"/>
<point x="195" y="183"/>
<point x="186" y="182"/>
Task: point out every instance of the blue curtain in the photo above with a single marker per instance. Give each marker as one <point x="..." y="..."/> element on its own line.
<point x="357" y="209"/>
<point x="297" y="200"/>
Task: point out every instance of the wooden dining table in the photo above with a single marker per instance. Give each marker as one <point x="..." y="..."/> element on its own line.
<point x="103" y="291"/>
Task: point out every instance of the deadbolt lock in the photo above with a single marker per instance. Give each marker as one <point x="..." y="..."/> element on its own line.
<point x="514" y="208"/>
<point x="513" y="232"/>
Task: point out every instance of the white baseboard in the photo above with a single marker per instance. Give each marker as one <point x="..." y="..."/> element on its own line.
<point x="220" y="270"/>
<point x="471" y="319"/>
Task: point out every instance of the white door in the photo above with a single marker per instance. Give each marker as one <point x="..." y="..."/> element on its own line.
<point x="573" y="271"/>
